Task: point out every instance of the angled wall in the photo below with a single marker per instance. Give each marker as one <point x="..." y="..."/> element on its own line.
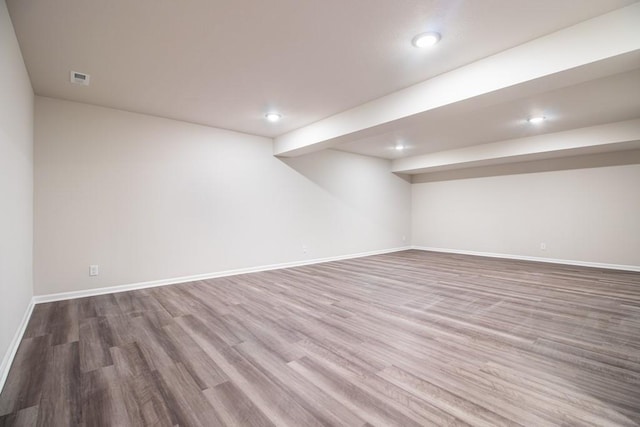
<point x="147" y="199"/>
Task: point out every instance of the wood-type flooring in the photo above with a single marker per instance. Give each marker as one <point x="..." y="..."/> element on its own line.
<point x="410" y="338"/>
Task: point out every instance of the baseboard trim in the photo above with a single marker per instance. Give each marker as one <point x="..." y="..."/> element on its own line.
<point x="535" y="259"/>
<point x="39" y="299"/>
<point x="7" y="360"/>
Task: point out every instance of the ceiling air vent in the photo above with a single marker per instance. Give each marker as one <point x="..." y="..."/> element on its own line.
<point x="80" y="78"/>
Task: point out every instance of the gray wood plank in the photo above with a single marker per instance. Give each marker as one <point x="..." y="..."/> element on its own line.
<point x="408" y="338"/>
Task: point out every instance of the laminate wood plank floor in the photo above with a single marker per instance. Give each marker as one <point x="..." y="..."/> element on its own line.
<point x="410" y="338"/>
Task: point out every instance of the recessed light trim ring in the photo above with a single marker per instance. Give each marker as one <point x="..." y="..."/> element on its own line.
<point x="273" y="117"/>
<point x="536" y="119"/>
<point x="427" y="39"/>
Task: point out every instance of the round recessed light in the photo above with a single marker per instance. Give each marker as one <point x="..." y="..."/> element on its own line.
<point x="273" y="117"/>
<point x="426" y="39"/>
<point x="399" y="147"/>
<point x="536" y="119"/>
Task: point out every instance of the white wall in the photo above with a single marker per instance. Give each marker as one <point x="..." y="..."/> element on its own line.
<point x="16" y="186"/>
<point x="588" y="212"/>
<point x="147" y="198"/>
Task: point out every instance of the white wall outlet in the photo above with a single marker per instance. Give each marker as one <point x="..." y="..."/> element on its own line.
<point x="304" y="249"/>
<point x="93" y="270"/>
<point x="543" y="246"/>
<point x="404" y="238"/>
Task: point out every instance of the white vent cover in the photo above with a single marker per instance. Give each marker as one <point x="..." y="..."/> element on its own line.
<point x="80" y="78"/>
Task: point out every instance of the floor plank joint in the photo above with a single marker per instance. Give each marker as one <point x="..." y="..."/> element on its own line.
<point x="407" y="338"/>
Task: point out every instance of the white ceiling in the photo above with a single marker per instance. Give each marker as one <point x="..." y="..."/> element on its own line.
<point x="225" y="63"/>
<point x="604" y="100"/>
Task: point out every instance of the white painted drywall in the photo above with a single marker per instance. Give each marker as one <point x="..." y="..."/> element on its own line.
<point x="148" y="198"/>
<point x="16" y="184"/>
<point x="587" y="214"/>
<point x="551" y="55"/>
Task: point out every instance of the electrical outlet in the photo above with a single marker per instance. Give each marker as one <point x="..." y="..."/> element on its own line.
<point x="543" y="246"/>
<point x="93" y="270"/>
<point x="404" y="238"/>
<point x="304" y="249"/>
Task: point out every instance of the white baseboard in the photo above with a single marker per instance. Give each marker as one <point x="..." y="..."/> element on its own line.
<point x="530" y="258"/>
<point x="175" y="280"/>
<point x="7" y="360"/>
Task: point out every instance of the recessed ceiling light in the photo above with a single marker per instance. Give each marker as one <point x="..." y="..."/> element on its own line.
<point x="536" y="120"/>
<point x="273" y="117"/>
<point x="426" y="39"/>
<point x="399" y="147"/>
